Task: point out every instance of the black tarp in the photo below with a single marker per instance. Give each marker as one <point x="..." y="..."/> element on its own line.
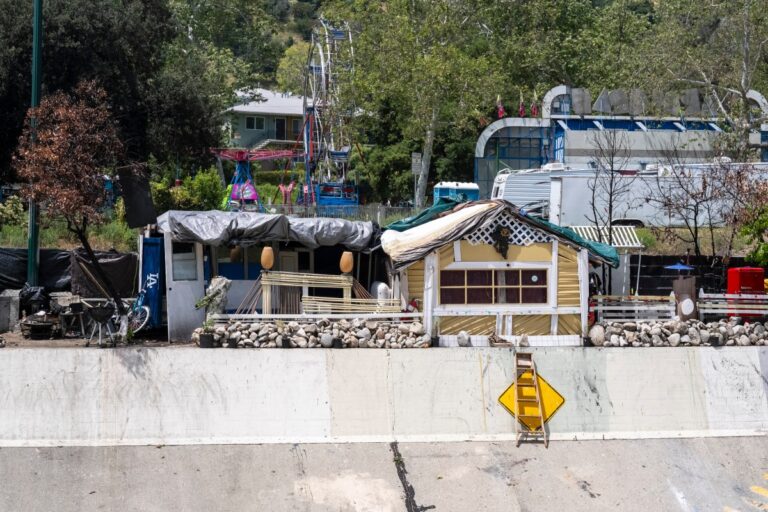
<point x="53" y="273"/>
<point x="122" y="270"/>
<point x="139" y="209"/>
<point x="57" y="272"/>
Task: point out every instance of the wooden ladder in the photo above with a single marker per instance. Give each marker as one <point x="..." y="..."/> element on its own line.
<point x="525" y="403"/>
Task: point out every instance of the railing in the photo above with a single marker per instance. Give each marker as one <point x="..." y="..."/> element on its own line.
<point x="644" y="308"/>
<point x="381" y="214"/>
<point x="647" y="308"/>
<point x="312" y="304"/>
<point x="723" y="304"/>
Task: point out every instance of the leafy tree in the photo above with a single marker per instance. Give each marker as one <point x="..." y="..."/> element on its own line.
<point x="117" y="42"/>
<point x="290" y="71"/>
<point x="63" y="159"/>
<point x="720" y="48"/>
<point x="422" y="58"/>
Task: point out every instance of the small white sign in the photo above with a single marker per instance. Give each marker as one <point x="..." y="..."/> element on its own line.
<point x="416" y="163"/>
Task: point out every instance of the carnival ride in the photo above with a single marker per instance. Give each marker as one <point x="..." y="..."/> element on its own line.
<point x="327" y="114"/>
<point x="325" y="142"/>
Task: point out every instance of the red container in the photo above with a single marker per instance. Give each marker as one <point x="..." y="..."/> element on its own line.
<point x="746" y="280"/>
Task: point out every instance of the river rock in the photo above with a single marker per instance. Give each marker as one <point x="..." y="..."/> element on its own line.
<point x="310" y="329"/>
<point x="326" y="340"/>
<point x="630" y="326"/>
<point x="743" y="340"/>
<point x="364" y="334"/>
<point x="597" y="335"/>
<point x="371" y="325"/>
<point x="656" y="341"/>
<point x="301" y="341"/>
<point x="462" y="339"/>
<point x="674" y="339"/>
<point x="404" y="328"/>
<point x="416" y="328"/>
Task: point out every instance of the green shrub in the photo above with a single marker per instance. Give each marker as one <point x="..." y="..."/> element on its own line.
<point x="206" y="190"/>
<point x="161" y="196"/>
<point x="12" y="211"/>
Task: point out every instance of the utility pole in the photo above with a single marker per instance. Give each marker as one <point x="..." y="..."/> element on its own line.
<point x="33" y="248"/>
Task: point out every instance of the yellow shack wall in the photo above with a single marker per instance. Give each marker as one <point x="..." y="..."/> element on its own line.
<point x="567" y="277"/>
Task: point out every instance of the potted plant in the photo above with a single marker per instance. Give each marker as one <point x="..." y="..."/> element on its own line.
<point x="206" y="337"/>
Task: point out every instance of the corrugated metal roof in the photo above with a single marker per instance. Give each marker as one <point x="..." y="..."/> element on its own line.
<point x="624" y="237"/>
<point x="275" y="103"/>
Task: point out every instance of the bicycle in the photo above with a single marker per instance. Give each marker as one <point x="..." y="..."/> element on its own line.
<point x="138" y="313"/>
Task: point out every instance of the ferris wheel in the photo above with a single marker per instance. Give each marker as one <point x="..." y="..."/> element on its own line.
<point x="327" y="107"/>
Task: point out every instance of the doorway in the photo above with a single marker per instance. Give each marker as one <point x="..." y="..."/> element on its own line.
<point x="280" y="129"/>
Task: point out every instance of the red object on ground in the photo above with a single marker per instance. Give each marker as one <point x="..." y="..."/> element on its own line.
<point x="746" y="280"/>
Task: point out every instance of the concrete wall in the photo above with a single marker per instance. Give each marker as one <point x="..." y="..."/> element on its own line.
<point x="189" y="395"/>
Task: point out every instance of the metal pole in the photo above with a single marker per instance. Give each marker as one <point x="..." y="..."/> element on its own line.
<point x="33" y="248"/>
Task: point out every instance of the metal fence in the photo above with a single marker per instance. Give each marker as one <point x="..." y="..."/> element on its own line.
<point x="379" y="213"/>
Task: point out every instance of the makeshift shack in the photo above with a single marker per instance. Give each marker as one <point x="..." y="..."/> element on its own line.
<point x="487" y="269"/>
<point x="202" y="245"/>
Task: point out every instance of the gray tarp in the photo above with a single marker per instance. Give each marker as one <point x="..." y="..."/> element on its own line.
<point x="249" y="228"/>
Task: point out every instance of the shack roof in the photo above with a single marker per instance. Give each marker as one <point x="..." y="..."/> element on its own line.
<point x="412" y="245"/>
<point x="216" y="227"/>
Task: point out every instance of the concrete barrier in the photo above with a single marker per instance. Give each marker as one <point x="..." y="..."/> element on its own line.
<point x="136" y="396"/>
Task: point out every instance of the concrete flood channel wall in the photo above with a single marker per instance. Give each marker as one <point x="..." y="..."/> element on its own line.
<point x="187" y="395"/>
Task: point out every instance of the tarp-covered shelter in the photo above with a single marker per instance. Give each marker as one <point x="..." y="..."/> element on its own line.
<point x="199" y="245"/>
<point x="250" y="228"/>
<point x="487" y="268"/>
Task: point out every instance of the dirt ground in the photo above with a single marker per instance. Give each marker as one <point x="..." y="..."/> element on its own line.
<point x="152" y="338"/>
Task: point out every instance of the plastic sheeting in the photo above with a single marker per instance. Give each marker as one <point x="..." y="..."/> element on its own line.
<point x="414" y="244"/>
<point x="443" y="204"/>
<point x="121" y="269"/>
<point x="249" y="228"/>
<point x="53" y="273"/>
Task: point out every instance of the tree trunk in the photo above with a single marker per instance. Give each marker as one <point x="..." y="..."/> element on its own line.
<point x="426" y="160"/>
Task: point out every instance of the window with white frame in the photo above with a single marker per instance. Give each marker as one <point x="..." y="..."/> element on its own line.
<point x="517" y="286"/>
<point x="254" y="123"/>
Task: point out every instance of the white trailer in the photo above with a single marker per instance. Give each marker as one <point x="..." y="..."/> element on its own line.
<point x="565" y="195"/>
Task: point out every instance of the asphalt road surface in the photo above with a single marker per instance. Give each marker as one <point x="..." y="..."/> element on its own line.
<point x="714" y="474"/>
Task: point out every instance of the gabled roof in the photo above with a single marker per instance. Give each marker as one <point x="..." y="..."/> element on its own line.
<point x="474" y="221"/>
<point x="275" y="103"/>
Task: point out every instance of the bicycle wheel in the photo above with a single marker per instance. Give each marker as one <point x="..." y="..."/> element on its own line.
<point x="137" y="320"/>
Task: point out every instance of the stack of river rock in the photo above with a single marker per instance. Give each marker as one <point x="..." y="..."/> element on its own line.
<point x="322" y="334"/>
<point x="673" y="333"/>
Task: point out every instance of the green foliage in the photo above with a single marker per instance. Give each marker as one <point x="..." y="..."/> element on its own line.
<point x="12" y="211"/>
<point x="111" y="234"/>
<point x="290" y="71"/>
<point x="757" y="233"/>
<point x="206" y="190"/>
<point x="161" y="196"/>
<point x="202" y="192"/>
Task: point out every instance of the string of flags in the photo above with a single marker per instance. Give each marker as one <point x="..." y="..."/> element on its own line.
<point x="522" y="110"/>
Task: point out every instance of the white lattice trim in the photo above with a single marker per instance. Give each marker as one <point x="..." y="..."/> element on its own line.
<point x="520" y="233"/>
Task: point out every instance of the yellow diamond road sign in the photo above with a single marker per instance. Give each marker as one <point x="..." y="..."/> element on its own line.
<point x="551" y="400"/>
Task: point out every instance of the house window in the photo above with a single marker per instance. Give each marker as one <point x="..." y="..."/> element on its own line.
<point x="254" y="123"/>
<point x="493" y="287"/>
<point x="295" y="126"/>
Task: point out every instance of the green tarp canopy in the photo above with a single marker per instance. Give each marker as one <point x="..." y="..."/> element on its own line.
<point x="443" y="204"/>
